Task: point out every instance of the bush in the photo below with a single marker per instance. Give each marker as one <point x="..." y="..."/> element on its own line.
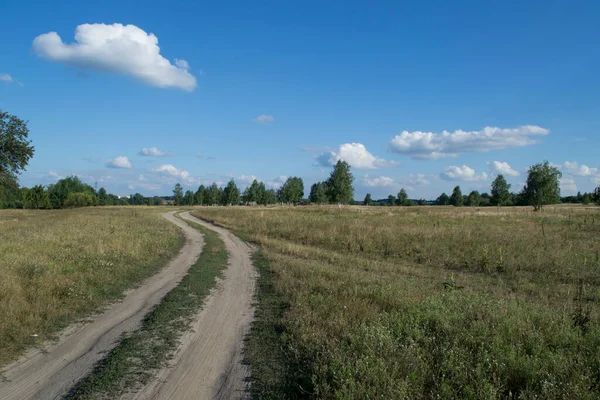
<point x="79" y="200"/>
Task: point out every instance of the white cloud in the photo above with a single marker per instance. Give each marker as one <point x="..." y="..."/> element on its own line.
<point x="418" y="179"/>
<point x="119" y="162"/>
<point x="502" y="168"/>
<point x="172" y="170"/>
<point x="152" y="152"/>
<point x="568" y="185"/>
<point x="429" y="145"/>
<point x="464" y="173"/>
<point x="264" y="119"/>
<point x="182" y="64"/>
<point x="574" y="168"/>
<point x="9" y="79"/>
<point x="116" y="48"/>
<point x="355" y="154"/>
<point x="247" y="179"/>
<point x="277" y="182"/>
<point x="377" y="181"/>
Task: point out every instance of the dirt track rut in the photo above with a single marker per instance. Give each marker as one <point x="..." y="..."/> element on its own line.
<point x="209" y="362"/>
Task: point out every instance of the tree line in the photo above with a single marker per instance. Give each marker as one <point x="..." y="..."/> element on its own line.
<point x="542" y="186"/>
<point x="337" y="189"/>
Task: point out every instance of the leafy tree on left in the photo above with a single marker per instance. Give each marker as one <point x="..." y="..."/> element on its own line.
<point x="15" y="153"/>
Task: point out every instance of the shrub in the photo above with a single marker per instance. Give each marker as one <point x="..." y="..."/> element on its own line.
<point x="79" y="200"/>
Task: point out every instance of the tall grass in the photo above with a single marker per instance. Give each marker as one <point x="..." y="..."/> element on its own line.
<point x="426" y="302"/>
<point x="57" y="266"/>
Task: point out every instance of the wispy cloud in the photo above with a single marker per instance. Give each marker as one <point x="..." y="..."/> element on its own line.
<point x="264" y="119"/>
<point x="152" y="152"/>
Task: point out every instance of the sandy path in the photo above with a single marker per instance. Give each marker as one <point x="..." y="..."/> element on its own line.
<point x="49" y="374"/>
<point x="209" y="362"/>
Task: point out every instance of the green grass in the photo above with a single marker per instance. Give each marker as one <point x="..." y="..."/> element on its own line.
<point x="139" y="355"/>
<point x="423" y="302"/>
<point x="58" y="266"/>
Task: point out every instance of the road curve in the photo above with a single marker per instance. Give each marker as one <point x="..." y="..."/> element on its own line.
<point x="49" y="373"/>
<point x="208" y="364"/>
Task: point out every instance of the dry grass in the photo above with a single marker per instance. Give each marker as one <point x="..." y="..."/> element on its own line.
<point x="422" y="302"/>
<point x="57" y="266"/>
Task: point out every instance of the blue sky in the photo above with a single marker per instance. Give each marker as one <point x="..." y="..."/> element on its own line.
<point x="276" y="89"/>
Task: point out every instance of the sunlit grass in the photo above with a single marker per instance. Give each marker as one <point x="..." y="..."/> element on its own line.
<point x="421" y="302"/>
<point x="57" y="266"/>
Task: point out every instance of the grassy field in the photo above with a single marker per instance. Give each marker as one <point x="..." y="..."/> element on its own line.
<point x="424" y="302"/>
<point x="58" y="266"/>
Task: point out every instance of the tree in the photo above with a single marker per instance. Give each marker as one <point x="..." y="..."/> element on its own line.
<point x="36" y="197"/>
<point x="368" y="200"/>
<point x="542" y="186"/>
<point x="456" y="199"/>
<point x="586" y="198"/>
<point x="402" y="198"/>
<point x="317" y="193"/>
<point x="500" y="191"/>
<point x="157" y="201"/>
<point x="15" y="149"/>
<point x="442" y="200"/>
<point x="102" y="197"/>
<point x="292" y="191"/>
<point x="9" y="193"/>
<point x="474" y="199"/>
<point x="200" y="195"/>
<point x="339" y="187"/>
<point x="178" y="194"/>
<point x="422" y="202"/>
<point x="136" y="199"/>
<point x="251" y="193"/>
<point x="213" y="195"/>
<point x="270" y="197"/>
<point x="261" y="194"/>
<point x="231" y="194"/>
<point x="597" y="195"/>
<point x="391" y="200"/>
<point x="59" y="191"/>
<point x="189" y="198"/>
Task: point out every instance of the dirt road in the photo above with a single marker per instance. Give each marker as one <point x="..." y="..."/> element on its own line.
<point x="49" y="373"/>
<point x="209" y="362"/>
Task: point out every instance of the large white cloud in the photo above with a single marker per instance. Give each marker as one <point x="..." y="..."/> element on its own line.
<point x="152" y="152"/>
<point x="464" y="173"/>
<point x="377" y="181"/>
<point x="172" y="170"/>
<point x="574" y="168"/>
<point x="355" y="154"/>
<point x="119" y="162"/>
<point x="502" y="168"/>
<point x="117" y="48"/>
<point x="429" y="145"/>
